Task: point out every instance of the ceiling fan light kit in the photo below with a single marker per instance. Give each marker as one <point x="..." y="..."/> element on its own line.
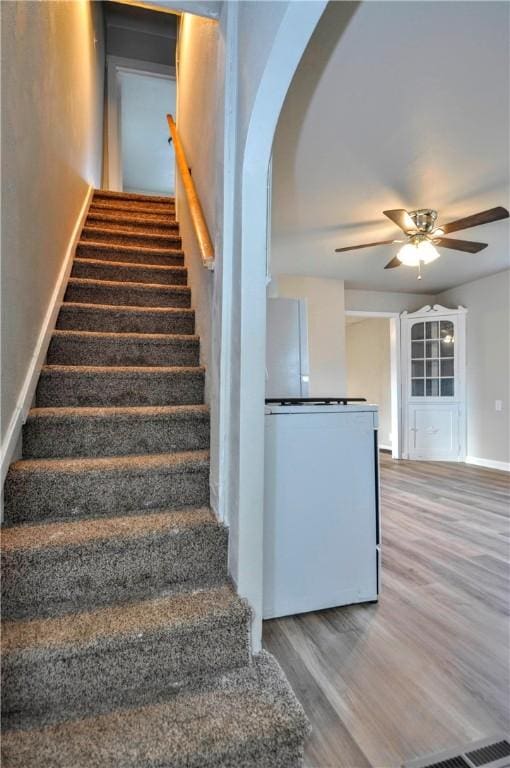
<point x="418" y="250"/>
<point x="423" y="235"/>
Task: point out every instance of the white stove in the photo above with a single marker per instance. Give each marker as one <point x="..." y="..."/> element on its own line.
<point x="321" y="516"/>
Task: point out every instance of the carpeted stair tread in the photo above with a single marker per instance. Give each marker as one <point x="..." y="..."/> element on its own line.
<point x="42" y="537"/>
<point x="72" y="385"/>
<point x="156" y="218"/>
<point x="57" y="489"/>
<point x="131" y="222"/>
<point x="118" y="236"/>
<point x="88" y="291"/>
<point x="98" y="269"/>
<point x="246" y="718"/>
<point x="124" y="319"/>
<point x="137" y="254"/>
<point x="53" y="568"/>
<point x="121" y="653"/>
<point x="103" y="348"/>
<point x="84" y="629"/>
<point x="74" y="432"/>
<point x="109" y="194"/>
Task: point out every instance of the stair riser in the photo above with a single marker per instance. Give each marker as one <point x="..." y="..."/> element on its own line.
<point x="127" y="296"/>
<point x="110" y="194"/>
<point x="142" y="226"/>
<point x="120" y="388"/>
<point x="122" y="321"/>
<point x="122" y="352"/>
<point x="168" y="259"/>
<point x="135" y="208"/>
<point x="147" y="238"/>
<point x="54" y="581"/>
<point x="105" y="270"/>
<point x="56" y="495"/>
<point x="55" y="438"/>
<point x="139" y="666"/>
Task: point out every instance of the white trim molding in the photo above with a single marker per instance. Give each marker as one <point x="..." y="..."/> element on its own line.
<point x="27" y="392"/>
<point x="502" y="466"/>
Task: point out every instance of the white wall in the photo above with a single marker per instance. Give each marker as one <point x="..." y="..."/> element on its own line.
<point x="326" y="332"/>
<point x="196" y="112"/>
<point x="270" y="38"/>
<point x="200" y="125"/>
<point x="386" y="301"/>
<point x="52" y="109"/>
<point x="369" y="368"/>
<point x="488" y="364"/>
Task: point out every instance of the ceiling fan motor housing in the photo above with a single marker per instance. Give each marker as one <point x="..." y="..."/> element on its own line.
<point x="425" y="219"/>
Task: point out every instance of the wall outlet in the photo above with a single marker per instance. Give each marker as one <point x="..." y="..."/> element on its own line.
<point x="498" y="405"/>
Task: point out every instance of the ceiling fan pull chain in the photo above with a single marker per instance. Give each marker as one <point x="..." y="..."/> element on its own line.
<point x="419" y="271"/>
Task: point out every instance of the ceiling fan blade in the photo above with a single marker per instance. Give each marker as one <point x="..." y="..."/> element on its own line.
<point x="402" y="219"/>
<point x="365" y="245"/>
<point x="484" y="217"/>
<point x="395" y="262"/>
<point x="459" y="245"/>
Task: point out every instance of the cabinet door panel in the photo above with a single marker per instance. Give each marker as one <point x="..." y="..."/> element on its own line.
<point x="434" y="432"/>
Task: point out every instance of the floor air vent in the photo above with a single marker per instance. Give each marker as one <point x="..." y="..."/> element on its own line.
<point x="488" y="753"/>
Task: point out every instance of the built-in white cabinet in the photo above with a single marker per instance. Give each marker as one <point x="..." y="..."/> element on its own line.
<point x="433" y="358"/>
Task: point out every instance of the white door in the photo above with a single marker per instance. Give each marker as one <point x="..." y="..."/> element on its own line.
<point x="147" y="159"/>
<point x="433" y="365"/>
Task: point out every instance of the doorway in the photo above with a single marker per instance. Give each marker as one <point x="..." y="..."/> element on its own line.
<point x="140" y="159"/>
<point x="373" y="369"/>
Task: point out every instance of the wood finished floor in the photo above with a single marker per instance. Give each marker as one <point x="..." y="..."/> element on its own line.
<point x="427" y="668"/>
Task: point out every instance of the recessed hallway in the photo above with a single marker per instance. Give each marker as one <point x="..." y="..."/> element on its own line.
<point x="427" y="668"/>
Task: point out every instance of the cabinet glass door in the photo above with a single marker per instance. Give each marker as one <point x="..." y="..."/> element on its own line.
<point x="433" y="359"/>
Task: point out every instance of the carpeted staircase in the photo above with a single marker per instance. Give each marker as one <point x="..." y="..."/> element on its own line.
<point x="124" y="643"/>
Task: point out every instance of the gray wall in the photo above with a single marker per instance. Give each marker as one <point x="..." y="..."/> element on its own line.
<point x="487" y="362"/>
<point x="52" y="113"/>
<point x="367" y="346"/>
<point x="139" y="33"/>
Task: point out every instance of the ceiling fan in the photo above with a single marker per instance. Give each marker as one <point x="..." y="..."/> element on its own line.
<point x="423" y="235"/>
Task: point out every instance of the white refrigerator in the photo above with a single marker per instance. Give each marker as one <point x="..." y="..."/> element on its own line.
<point x="321" y="507"/>
<point x="287" y="348"/>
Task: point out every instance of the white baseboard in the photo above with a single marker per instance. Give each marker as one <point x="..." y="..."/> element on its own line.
<point x="504" y="466"/>
<point x="27" y="392"/>
<point x="383" y="447"/>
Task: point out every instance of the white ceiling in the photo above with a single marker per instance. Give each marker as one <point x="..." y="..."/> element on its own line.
<point x="407" y="108"/>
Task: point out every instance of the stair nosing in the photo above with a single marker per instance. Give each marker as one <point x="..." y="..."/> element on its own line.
<point x="83" y="531"/>
<point x="57" y="368"/>
<point x="139" y="221"/>
<point x="81" y="631"/>
<point x="128" y="284"/>
<point x="126" y="307"/>
<point x="126" y="233"/>
<point x="114" y="194"/>
<point x="75" y="465"/>
<point x="63" y="333"/>
<point x="95" y="244"/>
<point x="175" y="268"/>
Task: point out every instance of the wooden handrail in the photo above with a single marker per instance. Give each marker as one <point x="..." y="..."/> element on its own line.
<point x="197" y="215"/>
